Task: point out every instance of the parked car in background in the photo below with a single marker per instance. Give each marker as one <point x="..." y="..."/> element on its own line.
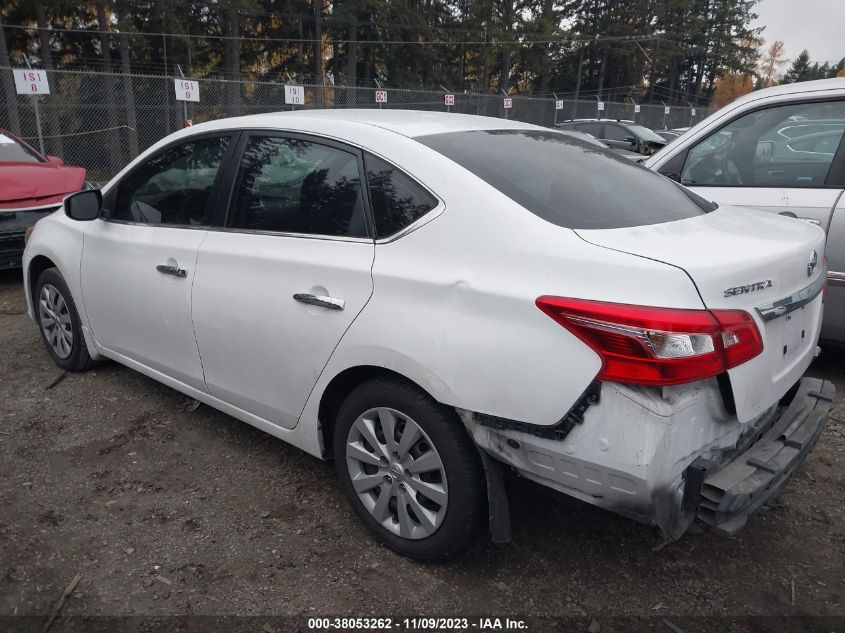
<point x="429" y="297"/>
<point x="669" y="135"/>
<point x="31" y="187"/>
<point x="618" y="134"/>
<point x="780" y="150"/>
<point x="588" y="138"/>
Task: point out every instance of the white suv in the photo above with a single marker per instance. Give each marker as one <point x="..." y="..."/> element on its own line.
<point x="428" y="298"/>
<point x="778" y="150"/>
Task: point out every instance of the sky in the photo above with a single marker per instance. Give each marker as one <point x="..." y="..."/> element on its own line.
<point x="816" y="25"/>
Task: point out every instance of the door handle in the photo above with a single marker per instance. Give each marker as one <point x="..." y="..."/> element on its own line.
<point x="172" y="270"/>
<point x="331" y="303"/>
<point x="812" y="221"/>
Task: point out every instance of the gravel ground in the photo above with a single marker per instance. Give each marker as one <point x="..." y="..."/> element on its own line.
<point x="169" y="510"/>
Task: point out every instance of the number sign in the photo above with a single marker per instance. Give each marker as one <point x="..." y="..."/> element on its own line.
<point x="31" y="82"/>
<point x="186" y="90"/>
<point x="294" y="95"/>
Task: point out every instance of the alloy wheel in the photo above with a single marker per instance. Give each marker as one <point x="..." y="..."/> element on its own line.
<point x="397" y="473"/>
<point x="55" y="320"/>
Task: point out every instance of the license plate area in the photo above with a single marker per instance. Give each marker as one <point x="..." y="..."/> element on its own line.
<point x="794" y="336"/>
<point x="788" y="339"/>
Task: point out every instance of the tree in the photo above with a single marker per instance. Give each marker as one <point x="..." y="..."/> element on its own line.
<point x="730" y="87"/>
<point x="8" y="85"/>
<point x="801" y="69"/>
<point x="660" y="50"/>
<point x="771" y="62"/>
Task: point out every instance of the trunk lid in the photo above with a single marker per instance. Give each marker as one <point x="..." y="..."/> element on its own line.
<point x="740" y="259"/>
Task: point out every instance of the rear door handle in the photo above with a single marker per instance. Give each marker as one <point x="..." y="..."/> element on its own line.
<point x="332" y="303"/>
<point x="172" y="270"/>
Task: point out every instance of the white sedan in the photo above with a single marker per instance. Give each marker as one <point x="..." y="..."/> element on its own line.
<point x="428" y="298"/>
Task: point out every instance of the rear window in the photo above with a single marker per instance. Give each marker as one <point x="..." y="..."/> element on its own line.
<point x="567" y="181"/>
<point x="11" y="151"/>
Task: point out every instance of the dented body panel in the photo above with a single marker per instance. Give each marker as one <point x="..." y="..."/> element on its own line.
<point x="630" y="453"/>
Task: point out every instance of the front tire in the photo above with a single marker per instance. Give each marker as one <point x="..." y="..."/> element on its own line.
<point x="409" y="469"/>
<point x="58" y="321"/>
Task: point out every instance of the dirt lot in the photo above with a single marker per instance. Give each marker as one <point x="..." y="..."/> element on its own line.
<point x="167" y="510"/>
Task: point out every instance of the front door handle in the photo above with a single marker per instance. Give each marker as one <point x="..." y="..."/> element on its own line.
<point x="332" y="303"/>
<point x="172" y="270"/>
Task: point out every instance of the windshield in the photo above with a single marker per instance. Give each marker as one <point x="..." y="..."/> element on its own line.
<point x="587" y="138"/>
<point x="567" y="181"/>
<point x="646" y="134"/>
<point x="13" y="151"/>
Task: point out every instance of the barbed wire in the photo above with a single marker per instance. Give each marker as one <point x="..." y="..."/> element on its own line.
<point x="526" y="39"/>
<point x="70" y="134"/>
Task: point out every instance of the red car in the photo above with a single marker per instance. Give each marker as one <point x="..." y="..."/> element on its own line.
<point x="31" y="187"/>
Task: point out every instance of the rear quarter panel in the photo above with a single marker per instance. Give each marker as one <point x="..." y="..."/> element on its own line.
<point x="453" y="301"/>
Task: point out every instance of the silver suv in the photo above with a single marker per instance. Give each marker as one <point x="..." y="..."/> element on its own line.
<point x="779" y="150"/>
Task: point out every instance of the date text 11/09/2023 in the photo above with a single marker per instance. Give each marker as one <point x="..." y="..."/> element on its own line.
<point x="431" y="624"/>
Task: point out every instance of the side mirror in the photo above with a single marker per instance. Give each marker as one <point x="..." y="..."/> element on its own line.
<point x="55" y="161"/>
<point x="84" y="205"/>
<point x="630" y="139"/>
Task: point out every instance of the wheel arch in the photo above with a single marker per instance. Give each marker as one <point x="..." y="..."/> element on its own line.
<point x="37" y="265"/>
<point x="345" y="383"/>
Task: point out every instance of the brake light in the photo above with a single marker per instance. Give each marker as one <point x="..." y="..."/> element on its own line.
<point x="657" y="346"/>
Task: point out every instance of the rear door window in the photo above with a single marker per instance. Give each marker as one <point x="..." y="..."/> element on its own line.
<point x="567" y="181"/>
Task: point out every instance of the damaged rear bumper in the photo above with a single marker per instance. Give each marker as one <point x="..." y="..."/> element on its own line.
<point x="724" y="498"/>
<point x="667" y="457"/>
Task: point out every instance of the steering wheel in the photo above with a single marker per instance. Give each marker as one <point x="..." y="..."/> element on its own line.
<point x="730" y="173"/>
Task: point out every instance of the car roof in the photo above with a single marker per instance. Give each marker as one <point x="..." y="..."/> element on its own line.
<point x="837" y="83"/>
<point x="410" y="123"/>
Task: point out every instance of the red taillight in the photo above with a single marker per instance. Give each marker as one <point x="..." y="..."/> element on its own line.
<point x="657" y="346"/>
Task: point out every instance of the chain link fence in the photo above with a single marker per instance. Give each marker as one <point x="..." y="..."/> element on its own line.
<point x="101" y="121"/>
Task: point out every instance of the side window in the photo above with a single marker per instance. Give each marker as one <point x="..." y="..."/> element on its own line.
<point x="173" y="187"/>
<point x="783" y="146"/>
<point x="594" y="129"/>
<point x="397" y="200"/>
<point x="293" y="186"/>
<point x="614" y="132"/>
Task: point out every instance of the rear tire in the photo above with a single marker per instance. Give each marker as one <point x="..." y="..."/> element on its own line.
<point x="58" y="321"/>
<point x="424" y="497"/>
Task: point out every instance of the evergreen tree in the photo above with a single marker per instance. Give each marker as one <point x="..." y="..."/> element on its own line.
<point x="800" y="70"/>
